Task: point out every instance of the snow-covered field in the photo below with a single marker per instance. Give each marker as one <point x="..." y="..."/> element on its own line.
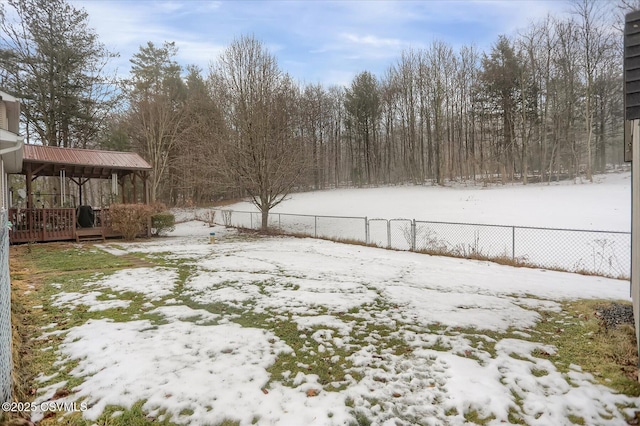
<point x="602" y="205"/>
<point x="340" y="214"/>
<point x="405" y="338"/>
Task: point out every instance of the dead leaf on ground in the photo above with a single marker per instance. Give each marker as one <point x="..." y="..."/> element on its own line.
<point x="61" y="393"/>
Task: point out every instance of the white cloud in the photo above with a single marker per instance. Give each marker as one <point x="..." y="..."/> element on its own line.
<point x="322" y="40"/>
<point x="199" y="53"/>
<point x="373" y="41"/>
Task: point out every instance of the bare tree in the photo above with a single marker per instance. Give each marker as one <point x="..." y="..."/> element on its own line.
<point x="362" y="105"/>
<point x="315" y="127"/>
<point x="439" y="58"/>
<point x="264" y="155"/>
<point x="595" y="42"/>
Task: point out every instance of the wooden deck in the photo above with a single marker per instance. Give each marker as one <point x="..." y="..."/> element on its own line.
<point x="42" y="225"/>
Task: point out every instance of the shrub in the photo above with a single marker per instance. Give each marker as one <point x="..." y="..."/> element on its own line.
<point x="130" y="219"/>
<point x="162" y="222"/>
<point x="158" y="207"/>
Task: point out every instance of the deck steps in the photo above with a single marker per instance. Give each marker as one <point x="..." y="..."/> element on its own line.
<point x="87" y="234"/>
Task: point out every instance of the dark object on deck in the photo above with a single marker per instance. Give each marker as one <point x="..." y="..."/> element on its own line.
<point x="86" y="218"/>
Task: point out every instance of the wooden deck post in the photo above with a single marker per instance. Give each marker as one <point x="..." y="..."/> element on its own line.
<point x="135" y="192"/>
<point x="145" y="185"/>
<point x="124" y="197"/>
<point x="29" y="188"/>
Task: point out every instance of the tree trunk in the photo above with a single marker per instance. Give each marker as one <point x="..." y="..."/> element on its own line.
<point x="265" y="218"/>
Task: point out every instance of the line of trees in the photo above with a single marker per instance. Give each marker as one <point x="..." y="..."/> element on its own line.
<point x="53" y="61"/>
<point x="542" y="104"/>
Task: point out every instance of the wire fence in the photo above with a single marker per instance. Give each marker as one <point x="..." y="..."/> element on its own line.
<point x="606" y="253"/>
<point x="6" y="363"/>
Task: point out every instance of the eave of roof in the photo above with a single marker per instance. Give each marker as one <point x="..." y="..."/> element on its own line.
<point x="7" y="97"/>
<point x="90" y="163"/>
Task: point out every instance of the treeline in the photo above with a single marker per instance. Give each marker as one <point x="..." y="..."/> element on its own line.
<point x="544" y="103"/>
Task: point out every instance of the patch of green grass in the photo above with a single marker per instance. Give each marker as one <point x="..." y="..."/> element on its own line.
<point x="611" y="356"/>
<point x="474" y="417"/>
<point x="134" y="416"/>
<point x="518" y="356"/>
<point x="304" y="361"/>
<point x="538" y="372"/>
<point x="185" y="271"/>
<point x="361" y="419"/>
<point x="440" y="345"/>
<point x="82" y="313"/>
<point x="187" y="412"/>
<point x="515" y="412"/>
<point x="576" y="420"/>
<point x="229" y="423"/>
<point x="514" y="417"/>
<point x="220" y="308"/>
<point x="453" y="411"/>
<point x="111" y="416"/>
<point x="157" y="258"/>
<point x="63" y="257"/>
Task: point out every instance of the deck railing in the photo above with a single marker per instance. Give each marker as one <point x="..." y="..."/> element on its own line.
<point x="30" y="225"/>
<point x="103" y="218"/>
<point x="58" y="224"/>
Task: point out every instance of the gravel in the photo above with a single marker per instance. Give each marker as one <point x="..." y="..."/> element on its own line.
<point x="615" y="315"/>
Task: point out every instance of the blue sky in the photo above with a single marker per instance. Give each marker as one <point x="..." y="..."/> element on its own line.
<point x="326" y="42"/>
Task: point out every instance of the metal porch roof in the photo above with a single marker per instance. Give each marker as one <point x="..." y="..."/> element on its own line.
<point x="48" y="161"/>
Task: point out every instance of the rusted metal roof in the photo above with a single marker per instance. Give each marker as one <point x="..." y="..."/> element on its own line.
<point x="48" y="161"/>
<point x="85" y="157"/>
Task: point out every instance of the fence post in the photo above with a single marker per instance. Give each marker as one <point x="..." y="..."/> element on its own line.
<point x="315" y="227"/>
<point x="366" y="230"/>
<point x="388" y="233"/>
<point x="513" y="243"/>
<point x="251" y="217"/>
<point x="6" y="360"/>
<point x="280" y="221"/>
<point x="413" y="235"/>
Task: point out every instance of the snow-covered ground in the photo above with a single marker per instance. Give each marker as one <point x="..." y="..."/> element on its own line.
<point x="340" y="214"/>
<point x="410" y="332"/>
<point x="602" y="205"/>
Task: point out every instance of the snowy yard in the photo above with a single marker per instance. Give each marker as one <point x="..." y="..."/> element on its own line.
<point x="382" y="217"/>
<point x="286" y="331"/>
<point x="602" y="205"/>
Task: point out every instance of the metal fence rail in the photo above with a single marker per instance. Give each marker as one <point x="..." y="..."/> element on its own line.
<point x="606" y="253"/>
<point x="6" y="363"/>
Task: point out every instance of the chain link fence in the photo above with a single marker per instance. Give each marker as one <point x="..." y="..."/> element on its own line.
<point x="606" y="253"/>
<point x="464" y="239"/>
<point x="6" y="363"/>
